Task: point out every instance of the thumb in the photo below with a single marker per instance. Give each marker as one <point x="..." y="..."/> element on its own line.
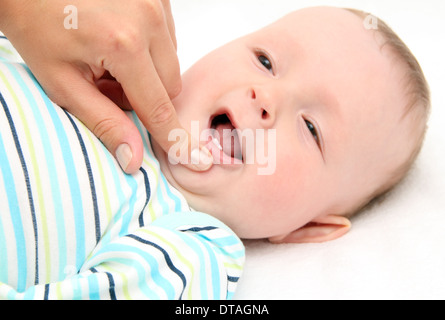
<point x="105" y="120"/>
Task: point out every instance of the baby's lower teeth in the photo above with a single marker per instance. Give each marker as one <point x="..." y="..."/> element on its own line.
<point x="217" y="144"/>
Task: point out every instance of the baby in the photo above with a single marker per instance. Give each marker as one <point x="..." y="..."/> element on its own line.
<point x="348" y="104"/>
<point x="339" y="109"/>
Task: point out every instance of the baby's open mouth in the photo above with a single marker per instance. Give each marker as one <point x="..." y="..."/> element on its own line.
<point x="226" y="137"/>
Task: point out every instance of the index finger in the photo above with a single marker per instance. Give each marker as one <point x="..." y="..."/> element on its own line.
<point x="146" y="93"/>
<point x="170" y="20"/>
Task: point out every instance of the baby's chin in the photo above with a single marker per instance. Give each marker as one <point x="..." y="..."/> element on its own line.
<point x="185" y="180"/>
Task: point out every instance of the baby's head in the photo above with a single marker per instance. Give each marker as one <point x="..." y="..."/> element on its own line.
<point x="339" y="109"/>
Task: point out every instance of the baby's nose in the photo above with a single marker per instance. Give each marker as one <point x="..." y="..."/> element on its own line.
<point x="264" y="108"/>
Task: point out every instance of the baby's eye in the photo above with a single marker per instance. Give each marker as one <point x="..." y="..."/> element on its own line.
<point x="265" y="61"/>
<point x="312" y="130"/>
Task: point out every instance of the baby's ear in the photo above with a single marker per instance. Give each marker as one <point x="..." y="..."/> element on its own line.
<point x="321" y="229"/>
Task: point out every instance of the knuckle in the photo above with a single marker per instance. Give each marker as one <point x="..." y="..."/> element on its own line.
<point x="125" y="39"/>
<point x="162" y="114"/>
<point x="105" y="129"/>
<point x="154" y="9"/>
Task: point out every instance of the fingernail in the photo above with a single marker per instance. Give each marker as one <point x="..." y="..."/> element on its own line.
<point x="202" y="159"/>
<point x="124" y="155"/>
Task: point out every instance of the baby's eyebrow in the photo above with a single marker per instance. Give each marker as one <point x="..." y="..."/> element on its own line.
<point x="328" y="99"/>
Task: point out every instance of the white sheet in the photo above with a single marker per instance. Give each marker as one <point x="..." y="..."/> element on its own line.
<point x="395" y="250"/>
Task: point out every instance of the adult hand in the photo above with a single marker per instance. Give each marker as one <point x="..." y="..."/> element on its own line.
<point x="112" y="55"/>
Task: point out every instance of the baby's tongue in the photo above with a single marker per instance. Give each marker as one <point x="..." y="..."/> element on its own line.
<point x="229" y="140"/>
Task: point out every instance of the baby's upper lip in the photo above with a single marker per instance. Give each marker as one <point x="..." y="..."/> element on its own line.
<point x="223" y="111"/>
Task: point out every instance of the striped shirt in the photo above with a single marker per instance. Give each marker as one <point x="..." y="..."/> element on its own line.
<point x="73" y="225"/>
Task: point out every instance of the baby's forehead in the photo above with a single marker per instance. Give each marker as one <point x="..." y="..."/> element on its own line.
<point x="317" y="30"/>
<point x="325" y="26"/>
<point x="320" y="18"/>
<point x="347" y="57"/>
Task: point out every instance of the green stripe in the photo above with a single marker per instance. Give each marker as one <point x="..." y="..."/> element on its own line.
<point x="151" y="209"/>
<point x="124" y="279"/>
<point x="38" y="181"/>
<point x="233" y="266"/>
<point x="101" y="174"/>
<point x="186" y="262"/>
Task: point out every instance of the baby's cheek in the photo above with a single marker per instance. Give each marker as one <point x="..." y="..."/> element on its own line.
<point x="276" y="191"/>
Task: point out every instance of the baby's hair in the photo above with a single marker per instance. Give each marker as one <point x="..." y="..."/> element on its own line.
<point x="418" y="106"/>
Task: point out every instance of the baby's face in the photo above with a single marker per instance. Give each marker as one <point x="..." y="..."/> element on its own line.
<point x="325" y="97"/>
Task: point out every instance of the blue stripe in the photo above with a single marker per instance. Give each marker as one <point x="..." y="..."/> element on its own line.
<point x="159" y="195"/>
<point x="79" y="220"/>
<point x="3" y="249"/>
<point x="15" y="210"/>
<point x="90" y="176"/>
<point x="171" y="195"/>
<point x="142" y="130"/>
<point x="141" y="278"/>
<point x="51" y="164"/>
<point x="226" y="241"/>
<point x="46" y="293"/>
<point x="147" y="192"/>
<point x="214" y="272"/>
<point x="191" y="242"/>
<point x="111" y="286"/>
<point x="198" y="229"/>
<point x="178" y="204"/>
<point x="167" y="260"/>
<point x="93" y="288"/>
<point x="77" y="289"/>
<point x="132" y="201"/>
<point x="236" y="254"/>
<point x="155" y="273"/>
<point x="161" y="201"/>
<point x="29" y="294"/>
<point x="74" y="185"/>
